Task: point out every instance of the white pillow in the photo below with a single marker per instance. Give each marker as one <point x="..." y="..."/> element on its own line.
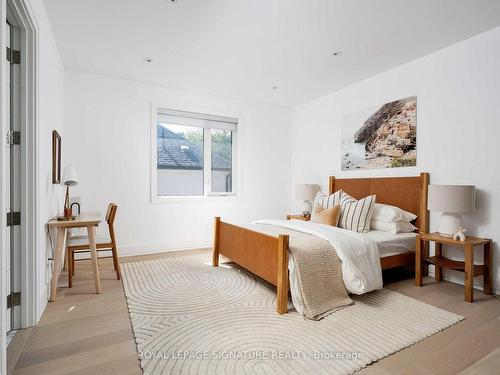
<point x="328" y="201"/>
<point x="355" y="214"/>
<point x="391" y="214"/>
<point x="397" y="227"/>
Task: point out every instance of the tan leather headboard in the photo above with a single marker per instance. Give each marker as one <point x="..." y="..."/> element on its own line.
<point x="408" y="193"/>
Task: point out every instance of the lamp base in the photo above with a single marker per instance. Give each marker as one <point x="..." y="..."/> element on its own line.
<point x="449" y="224"/>
<point x="306" y="208"/>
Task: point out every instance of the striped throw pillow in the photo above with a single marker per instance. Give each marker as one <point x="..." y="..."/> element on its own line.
<point x="355" y="214"/>
<point x="328" y="201"/>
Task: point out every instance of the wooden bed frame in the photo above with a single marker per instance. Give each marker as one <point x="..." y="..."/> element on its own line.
<point x="267" y="256"/>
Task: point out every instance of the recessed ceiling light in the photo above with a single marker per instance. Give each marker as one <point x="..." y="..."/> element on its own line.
<point x="275" y="87"/>
<point x="148" y="59"/>
<point x="337" y="53"/>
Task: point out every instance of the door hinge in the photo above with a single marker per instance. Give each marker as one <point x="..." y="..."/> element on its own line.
<point x="13" y="56"/>
<point x="13" y="137"/>
<point x="13" y="218"/>
<point x="13" y="299"/>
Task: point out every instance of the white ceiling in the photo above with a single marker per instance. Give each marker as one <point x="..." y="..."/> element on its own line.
<point x="241" y="48"/>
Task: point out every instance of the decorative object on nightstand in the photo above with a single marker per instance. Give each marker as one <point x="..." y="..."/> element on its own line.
<point x="460" y="235"/>
<point x="451" y="200"/>
<point x="470" y="269"/>
<point x="306" y="193"/>
<point x="69" y="179"/>
<point x="299" y="217"/>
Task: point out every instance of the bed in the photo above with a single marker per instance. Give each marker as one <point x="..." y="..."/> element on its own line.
<point x="390" y="244"/>
<point x="267" y="256"/>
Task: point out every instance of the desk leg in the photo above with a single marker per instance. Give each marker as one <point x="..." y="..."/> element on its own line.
<point x="93" y="255"/>
<point x="418" y="262"/>
<point x="58" y="254"/>
<point x="469" y="273"/>
<point x="488" y="261"/>
<point x="438" y="271"/>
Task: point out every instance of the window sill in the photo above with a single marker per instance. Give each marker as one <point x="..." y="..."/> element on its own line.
<point x="195" y="198"/>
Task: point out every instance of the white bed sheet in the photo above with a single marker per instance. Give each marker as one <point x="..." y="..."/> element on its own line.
<point x="361" y="269"/>
<point x="361" y="272"/>
<point x="393" y="244"/>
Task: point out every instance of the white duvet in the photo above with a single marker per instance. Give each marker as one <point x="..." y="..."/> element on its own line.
<point x="359" y="254"/>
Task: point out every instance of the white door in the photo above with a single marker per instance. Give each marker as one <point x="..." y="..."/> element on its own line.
<point x="14" y="180"/>
<point x="7" y="63"/>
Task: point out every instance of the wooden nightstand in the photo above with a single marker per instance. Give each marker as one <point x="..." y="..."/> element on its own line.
<point x="471" y="270"/>
<point x="298" y="217"/>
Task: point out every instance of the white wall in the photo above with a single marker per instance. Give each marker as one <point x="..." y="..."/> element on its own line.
<point x="50" y="117"/>
<point x="179" y="182"/>
<point x="107" y="137"/>
<point x="458" y="129"/>
<point x="187" y="182"/>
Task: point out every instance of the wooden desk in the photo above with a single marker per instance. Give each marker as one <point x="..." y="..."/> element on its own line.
<point x="470" y="269"/>
<point x="89" y="221"/>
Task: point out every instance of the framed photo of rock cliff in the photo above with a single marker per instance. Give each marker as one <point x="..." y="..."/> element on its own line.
<point x="383" y="136"/>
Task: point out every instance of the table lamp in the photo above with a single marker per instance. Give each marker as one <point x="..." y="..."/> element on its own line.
<point x="306" y="193"/>
<point x="69" y="179"/>
<point x="451" y="201"/>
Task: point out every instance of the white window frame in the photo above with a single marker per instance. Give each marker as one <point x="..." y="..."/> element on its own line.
<point x="236" y="157"/>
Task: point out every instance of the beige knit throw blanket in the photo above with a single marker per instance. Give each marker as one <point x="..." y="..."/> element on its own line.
<point x="319" y="271"/>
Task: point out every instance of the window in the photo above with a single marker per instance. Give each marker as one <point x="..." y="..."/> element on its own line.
<point x="195" y="154"/>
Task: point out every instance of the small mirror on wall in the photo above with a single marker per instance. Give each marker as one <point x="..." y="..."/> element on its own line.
<point x="56" y="157"/>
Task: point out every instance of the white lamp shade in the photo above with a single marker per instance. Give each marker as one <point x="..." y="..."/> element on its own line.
<point x="452" y="198"/>
<point x="69" y="176"/>
<point x="306" y="192"/>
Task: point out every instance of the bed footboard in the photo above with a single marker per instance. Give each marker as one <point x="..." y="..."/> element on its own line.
<point x="263" y="255"/>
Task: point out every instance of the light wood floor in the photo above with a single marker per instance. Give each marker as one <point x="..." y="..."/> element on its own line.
<point x="86" y="333"/>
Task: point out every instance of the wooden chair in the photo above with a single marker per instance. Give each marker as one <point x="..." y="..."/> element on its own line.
<point x="80" y="244"/>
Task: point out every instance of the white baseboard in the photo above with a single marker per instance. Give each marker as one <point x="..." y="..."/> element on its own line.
<point x="42" y="302"/>
<point x="132" y="250"/>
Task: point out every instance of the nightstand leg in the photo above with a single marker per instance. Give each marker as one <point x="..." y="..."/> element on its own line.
<point x="488" y="261"/>
<point x="418" y="262"/>
<point x="438" y="271"/>
<point x="425" y="255"/>
<point x="469" y="273"/>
